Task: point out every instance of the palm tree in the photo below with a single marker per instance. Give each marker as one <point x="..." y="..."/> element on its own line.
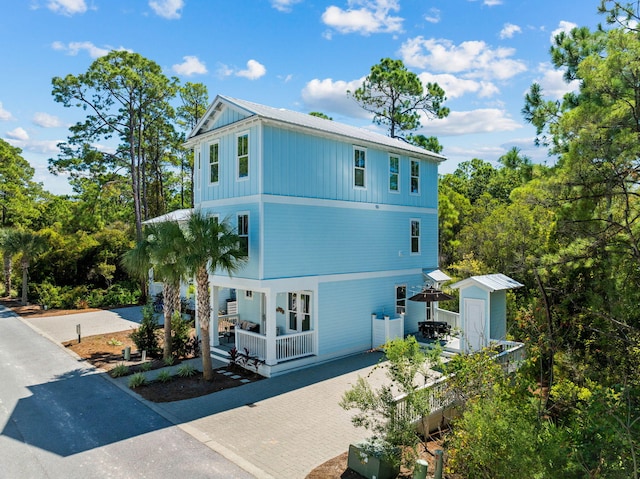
<point x="27" y="245"/>
<point x="6" y="256"/>
<point x="162" y="248"/>
<point x="211" y="246"/>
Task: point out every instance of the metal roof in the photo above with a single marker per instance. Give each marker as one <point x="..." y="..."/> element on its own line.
<point x="439" y="276"/>
<point x="492" y="282"/>
<point x="177" y="215"/>
<point x="304" y="120"/>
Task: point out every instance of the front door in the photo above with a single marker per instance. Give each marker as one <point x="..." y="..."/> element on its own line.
<point x="474" y="333"/>
<point x="299" y="312"/>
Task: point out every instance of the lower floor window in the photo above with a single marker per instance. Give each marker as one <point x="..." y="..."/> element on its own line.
<point x="401" y="299"/>
<point x="299" y="312"/>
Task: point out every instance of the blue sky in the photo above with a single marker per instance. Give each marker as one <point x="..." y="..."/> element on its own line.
<point x="296" y="54"/>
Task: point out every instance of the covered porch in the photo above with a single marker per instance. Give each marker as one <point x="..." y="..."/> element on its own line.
<point x="273" y="323"/>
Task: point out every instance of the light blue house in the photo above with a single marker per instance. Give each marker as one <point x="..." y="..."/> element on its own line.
<point x="339" y="223"/>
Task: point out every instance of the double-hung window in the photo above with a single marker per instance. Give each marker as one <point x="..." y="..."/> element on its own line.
<point x="394" y="173"/>
<point x="243" y="232"/>
<point x="243" y="155"/>
<point x="415" y="236"/>
<point x="359" y="167"/>
<point x="214" y="162"/>
<point x="415" y="177"/>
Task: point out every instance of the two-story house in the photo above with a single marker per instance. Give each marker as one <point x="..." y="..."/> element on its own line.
<point x="339" y="223"/>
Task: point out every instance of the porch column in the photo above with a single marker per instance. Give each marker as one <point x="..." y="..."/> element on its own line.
<point x="271" y="358"/>
<point x="213" y="303"/>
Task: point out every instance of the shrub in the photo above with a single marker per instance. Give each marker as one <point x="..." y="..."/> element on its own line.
<point x="186" y="371"/>
<point x="48" y="294"/>
<point x="180" y="332"/>
<point x="138" y="379"/>
<point x="164" y="376"/>
<point x="145" y="337"/>
<point x="146" y="366"/>
<point x="120" y="370"/>
<point x="114" y="342"/>
<point x="169" y="361"/>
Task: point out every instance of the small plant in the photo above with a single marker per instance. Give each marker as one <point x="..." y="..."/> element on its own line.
<point x="114" y="342"/>
<point x="145" y="337"/>
<point x="164" y="376"/>
<point x="120" y="370"/>
<point x="138" y="379"/>
<point x="234" y="356"/>
<point x="186" y="371"/>
<point x="146" y="366"/>
<point x="169" y="361"/>
<point x="180" y="332"/>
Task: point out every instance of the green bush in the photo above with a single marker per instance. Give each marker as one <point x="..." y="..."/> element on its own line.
<point x="138" y="379"/>
<point x="146" y="366"/>
<point x="145" y="337"/>
<point x="164" y="376"/>
<point x="119" y="371"/>
<point x="47" y="294"/>
<point x="186" y="371"/>
<point x="180" y="335"/>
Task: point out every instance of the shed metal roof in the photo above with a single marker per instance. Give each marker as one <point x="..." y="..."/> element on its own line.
<point x="304" y="120"/>
<point x="177" y="215"/>
<point x="492" y="282"/>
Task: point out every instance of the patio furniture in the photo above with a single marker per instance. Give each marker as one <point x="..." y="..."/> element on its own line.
<point x="434" y="329"/>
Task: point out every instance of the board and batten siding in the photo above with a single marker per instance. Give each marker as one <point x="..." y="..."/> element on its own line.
<point x="229" y="185"/>
<point x="304" y="240"/>
<point x="346" y="307"/>
<point x="308" y="166"/>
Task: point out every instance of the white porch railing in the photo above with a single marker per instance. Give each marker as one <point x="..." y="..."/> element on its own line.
<point x="293" y="346"/>
<point x="255" y="343"/>
<point x="288" y="346"/>
<point x="440" y="397"/>
<point x="449" y="317"/>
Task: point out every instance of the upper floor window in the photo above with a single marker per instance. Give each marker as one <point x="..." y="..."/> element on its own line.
<point x="214" y="157"/>
<point x="415" y="236"/>
<point x="243" y="155"/>
<point x="415" y="177"/>
<point x="243" y="232"/>
<point x="394" y="171"/>
<point x="359" y="167"/>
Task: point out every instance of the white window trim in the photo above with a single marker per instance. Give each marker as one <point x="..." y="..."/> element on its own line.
<point x="215" y="142"/>
<point x="238" y="135"/>
<point x="197" y="167"/>
<point x="353" y="159"/>
<point x="411" y="161"/>
<point x="397" y="174"/>
<point x="415" y="253"/>
<point x="245" y="213"/>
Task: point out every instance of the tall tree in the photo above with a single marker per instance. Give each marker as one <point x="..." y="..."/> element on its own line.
<point x="195" y="100"/>
<point x="19" y="194"/>
<point x="27" y="245"/>
<point x="162" y="249"/>
<point x="125" y="95"/>
<point x="211" y="246"/>
<point x="396" y="97"/>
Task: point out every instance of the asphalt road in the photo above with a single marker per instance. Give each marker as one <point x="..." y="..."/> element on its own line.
<point x="61" y="419"/>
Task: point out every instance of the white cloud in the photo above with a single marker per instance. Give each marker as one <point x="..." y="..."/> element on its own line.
<point x="45" y="120"/>
<point x="18" y="134"/>
<point x="455" y="87"/>
<point x="45" y="147"/>
<point x="331" y="96"/>
<point x="483" y="120"/>
<point x="509" y="30"/>
<point x="553" y="83"/>
<point x="73" y="48"/>
<point x="492" y="3"/>
<point x="169" y="9"/>
<point x="253" y="71"/>
<point x="4" y="114"/>
<point x="364" y="17"/>
<point x="433" y="16"/>
<point x="190" y="66"/>
<point x="284" y="5"/>
<point x="473" y="58"/>
<point x="563" y="26"/>
<point x="67" y="7"/>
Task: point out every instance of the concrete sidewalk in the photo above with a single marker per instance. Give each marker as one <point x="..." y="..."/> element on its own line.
<point x="281" y="427"/>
